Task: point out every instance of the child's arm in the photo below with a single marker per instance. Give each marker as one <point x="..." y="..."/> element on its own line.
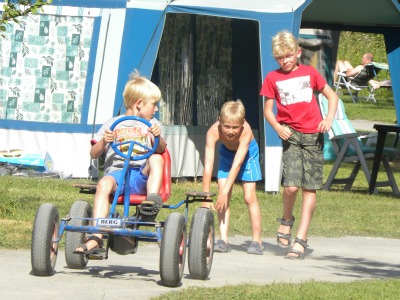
<point x="283" y="132"/>
<point x="222" y="201"/>
<point x="98" y="148"/>
<point x="155" y="130"/>
<point x="211" y="140"/>
<point x="333" y="99"/>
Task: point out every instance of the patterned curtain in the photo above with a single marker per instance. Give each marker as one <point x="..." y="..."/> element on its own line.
<point x="43" y="66"/>
<point x="195" y="69"/>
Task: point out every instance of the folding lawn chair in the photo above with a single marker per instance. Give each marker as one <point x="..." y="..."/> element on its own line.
<point x="348" y="147"/>
<point x="359" y="82"/>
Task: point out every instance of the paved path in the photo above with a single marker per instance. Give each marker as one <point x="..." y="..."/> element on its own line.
<point x="137" y="276"/>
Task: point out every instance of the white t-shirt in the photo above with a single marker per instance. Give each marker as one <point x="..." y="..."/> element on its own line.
<point x="128" y="129"/>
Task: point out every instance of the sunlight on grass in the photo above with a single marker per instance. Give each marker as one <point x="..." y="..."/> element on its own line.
<point x="374" y="289"/>
<point x="15" y="234"/>
<point x="338" y="213"/>
<point x="383" y="111"/>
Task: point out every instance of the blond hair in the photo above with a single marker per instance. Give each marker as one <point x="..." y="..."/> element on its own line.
<point x="233" y="111"/>
<point x="283" y="44"/>
<point x="138" y="87"/>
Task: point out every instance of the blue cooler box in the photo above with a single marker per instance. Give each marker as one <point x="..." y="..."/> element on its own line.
<point x="40" y="161"/>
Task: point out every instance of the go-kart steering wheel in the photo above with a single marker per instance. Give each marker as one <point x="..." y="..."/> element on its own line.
<point x="149" y="152"/>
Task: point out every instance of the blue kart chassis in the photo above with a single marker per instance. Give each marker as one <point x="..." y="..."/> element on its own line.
<point x="128" y="225"/>
<point x="124" y="230"/>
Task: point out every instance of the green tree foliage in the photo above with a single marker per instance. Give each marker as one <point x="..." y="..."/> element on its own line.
<point x="352" y="45"/>
<point x="13" y="9"/>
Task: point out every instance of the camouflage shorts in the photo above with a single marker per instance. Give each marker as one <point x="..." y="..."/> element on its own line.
<point x="303" y="160"/>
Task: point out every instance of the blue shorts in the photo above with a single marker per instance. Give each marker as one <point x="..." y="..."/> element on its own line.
<point x="250" y="169"/>
<point x="137" y="180"/>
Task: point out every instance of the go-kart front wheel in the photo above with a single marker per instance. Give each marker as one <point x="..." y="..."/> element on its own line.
<point x="173" y="250"/>
<point x="201" y="244"/>
<point x="79" y="212"/>
<point x="43" y="249"/>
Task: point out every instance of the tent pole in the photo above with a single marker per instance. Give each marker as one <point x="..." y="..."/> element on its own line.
<point x="90" y="173"/>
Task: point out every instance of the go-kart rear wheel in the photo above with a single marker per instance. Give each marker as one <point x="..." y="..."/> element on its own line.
<point x="173" y="250"/>
<point x="80" y="209"/>
<point x="43" y="249"/>
<point x="201" y="244"/>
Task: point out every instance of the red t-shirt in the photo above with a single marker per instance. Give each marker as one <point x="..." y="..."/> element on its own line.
<point x="294" y="94"/>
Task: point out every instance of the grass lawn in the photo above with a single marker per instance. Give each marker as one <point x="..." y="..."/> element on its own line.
<point x="349" y="213"/>
<point x="366" y="290"/>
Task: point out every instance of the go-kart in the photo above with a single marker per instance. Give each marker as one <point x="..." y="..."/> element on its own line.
<point x="122" y="233"/>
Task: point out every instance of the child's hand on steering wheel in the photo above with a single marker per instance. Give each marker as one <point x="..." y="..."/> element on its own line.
<point x="155" y="130"/>
<point x="108" y="136"/>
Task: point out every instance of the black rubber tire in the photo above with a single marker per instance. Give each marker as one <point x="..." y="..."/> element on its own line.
<point x="173" y="250"/>
<point x="201" y="244"/>
<point x="80" y="209"/>
<point x="43" y="250"/>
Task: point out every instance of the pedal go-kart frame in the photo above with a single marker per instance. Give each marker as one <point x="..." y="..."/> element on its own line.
<point x="123" y="233"/>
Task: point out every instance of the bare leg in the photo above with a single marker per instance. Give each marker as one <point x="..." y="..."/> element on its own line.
<point x="154" y="169"/>
<point x="338" y="63"/>
<point x="250" y="197"/>
<point x="341" y="66"/>
<point x="309" y="203"/>
<point x="223" y="220"/>
<point x="224" y="216"/>
<point x="289" y="199"/>
<point x="105" y="187"/>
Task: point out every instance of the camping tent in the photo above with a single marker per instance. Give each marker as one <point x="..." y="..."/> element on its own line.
<point x="63" y="71"/>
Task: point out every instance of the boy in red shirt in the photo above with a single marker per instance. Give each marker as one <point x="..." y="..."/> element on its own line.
<point x="299" y="124"/>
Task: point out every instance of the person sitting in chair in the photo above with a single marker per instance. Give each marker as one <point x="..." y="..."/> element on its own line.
<point x="346" y="67"/>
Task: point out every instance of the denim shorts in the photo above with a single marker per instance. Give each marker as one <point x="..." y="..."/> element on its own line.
<point x="137" y="181"/>
<point x="303" y="160"/>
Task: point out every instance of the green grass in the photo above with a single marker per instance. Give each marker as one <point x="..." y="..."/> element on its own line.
<point x="383" y="111"/>
<point x="375" y="289"/>
<point x="349" y="213"/>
